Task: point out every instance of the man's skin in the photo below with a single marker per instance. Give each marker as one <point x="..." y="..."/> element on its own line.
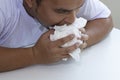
<point x="50" y="13"/>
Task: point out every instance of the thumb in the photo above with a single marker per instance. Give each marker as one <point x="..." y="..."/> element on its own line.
<point x="47" y="34"/>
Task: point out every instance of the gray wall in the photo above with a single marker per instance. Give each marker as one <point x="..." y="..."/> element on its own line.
<point x="114" y="6"/>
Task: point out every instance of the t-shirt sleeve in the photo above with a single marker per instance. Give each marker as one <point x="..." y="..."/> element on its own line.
<point x="93" y="9"/>
<point x="2" y="22"/>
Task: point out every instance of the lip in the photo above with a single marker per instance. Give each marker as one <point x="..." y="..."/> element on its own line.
<point x="51" y="27"/>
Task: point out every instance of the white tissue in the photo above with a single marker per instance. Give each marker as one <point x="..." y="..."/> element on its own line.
<point x="65" y="30"/>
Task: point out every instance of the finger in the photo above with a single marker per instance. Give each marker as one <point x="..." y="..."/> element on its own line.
<point x="62" y="41"/>
<point x="84" y="45"/>
<point x="62" y="57"/>
<point x="66" y="56"/>
<point x="82" y="30"/>
<point x="47" y="34"/>
<point x="84" y="37"/>
<point x="71" y="48"/>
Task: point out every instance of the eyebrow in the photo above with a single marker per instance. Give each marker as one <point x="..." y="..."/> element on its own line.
<point x="62" y="9"/>
<point x="66" y="10"/>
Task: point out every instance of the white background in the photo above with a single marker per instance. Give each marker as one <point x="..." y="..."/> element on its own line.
<point x="114" y="6"/>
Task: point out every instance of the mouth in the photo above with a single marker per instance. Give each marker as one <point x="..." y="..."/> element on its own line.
<point x="52" y="26"/>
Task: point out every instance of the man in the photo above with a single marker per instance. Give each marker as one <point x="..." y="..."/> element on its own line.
<point x="24" y="41"/>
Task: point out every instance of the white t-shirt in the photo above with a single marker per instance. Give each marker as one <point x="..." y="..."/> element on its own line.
<point x="18" y="29"/>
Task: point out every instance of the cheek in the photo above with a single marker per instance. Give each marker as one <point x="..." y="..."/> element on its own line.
<point x="53" y="19"/>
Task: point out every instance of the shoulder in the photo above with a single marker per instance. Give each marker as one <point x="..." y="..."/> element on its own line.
<point x="93" y="9"/>
<point x="93" y="5"/>
<point x="8" y="7"/>
<point x="8" y="11"/>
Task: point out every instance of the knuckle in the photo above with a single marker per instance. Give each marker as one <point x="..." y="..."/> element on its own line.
<point x="87" y="37"/>
<point x="84" y="37"/>
<point x="84" y="45"/>
<point x="63" y="40"/>
<point x="83" y="30"/>
<point x="70" y="37"/>
<point x="68" y="50"/>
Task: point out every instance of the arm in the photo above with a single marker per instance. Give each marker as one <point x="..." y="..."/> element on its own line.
<point x="98" y="29"/>
<point x="13" y="58"/>
<point x="45" y="51"/>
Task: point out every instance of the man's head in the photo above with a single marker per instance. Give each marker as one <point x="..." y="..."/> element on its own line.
<point x="53" y="12"/>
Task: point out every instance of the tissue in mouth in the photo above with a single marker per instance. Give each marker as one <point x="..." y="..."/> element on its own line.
<point x="65" y="30"/>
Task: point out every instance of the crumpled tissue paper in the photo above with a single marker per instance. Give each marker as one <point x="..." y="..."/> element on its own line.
<point x="65" y="30"/>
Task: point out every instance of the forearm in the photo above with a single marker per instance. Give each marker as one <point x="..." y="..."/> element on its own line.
<point x="98" y="29"/>
<point x="13" y="58"/>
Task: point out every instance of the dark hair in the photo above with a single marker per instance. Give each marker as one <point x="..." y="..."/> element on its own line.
<point x="38" y="1"/>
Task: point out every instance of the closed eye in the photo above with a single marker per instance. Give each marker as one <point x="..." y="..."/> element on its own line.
<point x="63" y="11"/>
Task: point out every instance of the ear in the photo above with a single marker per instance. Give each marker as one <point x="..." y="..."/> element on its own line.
<point x="29" y="3"/>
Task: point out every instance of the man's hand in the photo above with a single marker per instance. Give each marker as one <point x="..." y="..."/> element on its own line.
<point x="84" y="38"/>
<point x="46" y="51"/>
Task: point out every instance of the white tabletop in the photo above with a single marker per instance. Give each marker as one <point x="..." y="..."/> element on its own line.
<point x="99" y="62"/>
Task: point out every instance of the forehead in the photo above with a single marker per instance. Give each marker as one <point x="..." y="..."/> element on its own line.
<point x="63" y="3"/>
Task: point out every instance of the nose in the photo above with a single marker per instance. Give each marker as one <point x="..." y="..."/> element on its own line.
<point x="70" y="18"/>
